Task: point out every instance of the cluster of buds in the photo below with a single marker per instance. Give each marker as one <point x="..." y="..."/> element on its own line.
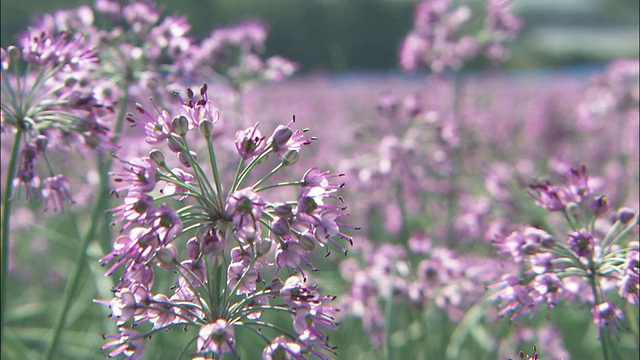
<point x="585" y="264"/>
<point x="43" y="109"/>
<point x="236" y="241"/>
<point x="446" y="33"/>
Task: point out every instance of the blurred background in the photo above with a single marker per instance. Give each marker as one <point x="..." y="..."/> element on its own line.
<point x="362" y="35"/>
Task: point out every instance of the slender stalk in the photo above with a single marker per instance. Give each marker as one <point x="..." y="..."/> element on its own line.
<point x="596" y="298"/>
<point x="214" y="168"/>
<point x="388" y="317"/>
<point x="6" y="213"/>
<point x="101" y="206"/>
<point x="74" y="280"/>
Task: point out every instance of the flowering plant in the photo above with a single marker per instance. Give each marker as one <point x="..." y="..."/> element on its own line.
<point x="233" y="236"/>
<point x="592" y="259"/>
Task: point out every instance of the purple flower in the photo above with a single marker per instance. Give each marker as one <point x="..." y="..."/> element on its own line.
<point x="245" y="207"/>
<point x="607" y="316"/>
<point x="157" y="128"/>
<point x="136" y="208"/>
<point x="140" y="245"/>
<point x="629" y="284"/>
<point x="141" y="175"/>
<point x="282" y="348"/>
<point x="249" y="142"/>
<point x="129" y="342"/>
<point x="515" y="298"/>
<point x="55" y="190"/>
<point x="201" y="109"/>
<point x="165" y="223"/>
<point x="62" y="48"/>
<point x="581" y="242"/>
<point x="216" y="337"/>
<point x="285" y="139"/>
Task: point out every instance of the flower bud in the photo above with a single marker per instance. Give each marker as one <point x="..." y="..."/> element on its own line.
<point x="573" y="210"/>
<point x="598" y="205"/>
<point x="263" y="247"/>
<point x="307" y="242"/>
<point x="206" y="128"/>
<point x="172" y="145"/>
<point x="92" y="140"/>
<point x="193" y="247"/>
<point x="284" y="211"/>
<point x="211" y="242"/>
<point x="281" y="135"/>
<point x="184" y="160"/>
<point x="41" y="143"/>
<point x="14" y="53"/>
<point x="276" y="284"/>
<point x="157" y="156"/>
<point x="290" y="157"/>
<point x="625" y="215"/>
<point x="180" y="125"/>
<point x="166" y="255"/>
<point x="280" y="227"/>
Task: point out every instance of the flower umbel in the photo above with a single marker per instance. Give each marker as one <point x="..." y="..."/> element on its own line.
<point x="228" y="277"/>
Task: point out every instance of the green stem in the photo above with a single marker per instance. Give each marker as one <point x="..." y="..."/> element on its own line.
<point x="74" y="280"/>
<point x="6" y="213"/>
<point x="596" y="298"/>
<point x="101" y="206"/>
<point x="214" y="168"/>
<point x="388" y="317"/>
<point x="268" y="175"/>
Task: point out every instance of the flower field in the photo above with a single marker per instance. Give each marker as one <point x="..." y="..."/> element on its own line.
<point x="169" y="197"/>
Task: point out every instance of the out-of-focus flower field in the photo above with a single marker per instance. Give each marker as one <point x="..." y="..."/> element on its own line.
<point x="169" y="197"/>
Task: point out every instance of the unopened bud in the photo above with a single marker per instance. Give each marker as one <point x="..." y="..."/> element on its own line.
<point x="307" y="242"/>
<point x="193" y="247"/>
<point x="157" y="156"/>
<point x="14" y="53"/>
<point x="290" y="157"/>
<point x="185" y="161"/>
<point x="281" y="135"/>
<point x="206" y="128"/>
<point x="172" y="145"/>
<point x="41" y="143"/>
<point x="180" y="125"/>
<point x="283" y="211"/>
<point x="573" y="210"/>
<point x="625" y="215"/>
<point x="92" y="140"/>
<point x="281" y="227"/>
<point x="276" y="284"/>
<point x="263" y="247"/>
<point x="599" y="205"/>
<point x="166" y="255"/>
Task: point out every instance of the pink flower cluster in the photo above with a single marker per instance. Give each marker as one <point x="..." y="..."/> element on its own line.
<point x="236" y="241"/>
<point x="446" y="33"/>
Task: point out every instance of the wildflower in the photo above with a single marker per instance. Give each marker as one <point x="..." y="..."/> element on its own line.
<point x="445" y="37"/>
<point x="216" y="337"/>
<point x="581" y="242"/>
<point x="281" y="348"/>
<point x="607" y="316"/>
<point x="55" y="190"/>
<point x="141" y="176"/>
<point x="223" y="275"/>
<point x="129" y="342"/>
<point x="629" y="284"/>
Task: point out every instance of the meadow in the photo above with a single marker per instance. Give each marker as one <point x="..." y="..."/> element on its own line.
<point x="168" y="197"/>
